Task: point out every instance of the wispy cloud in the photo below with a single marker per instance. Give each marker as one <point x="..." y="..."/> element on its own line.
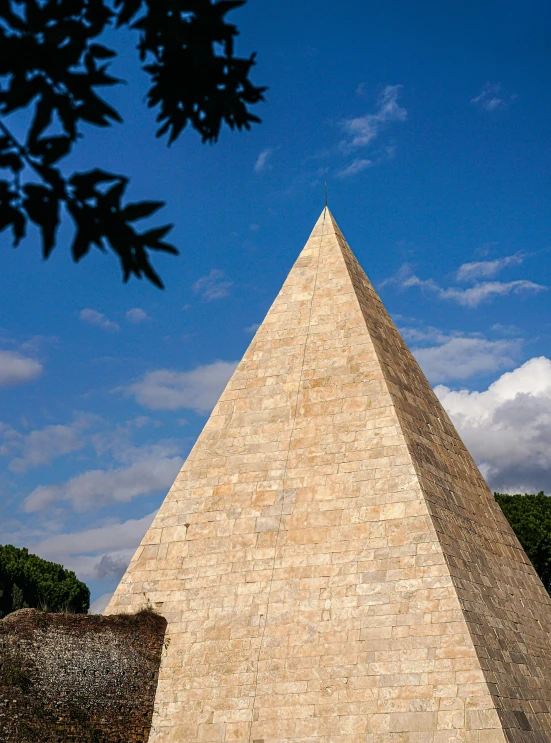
<point x="41" y="446"/>
<point x="252" y="328"/>
<point x="355" y="167"/>
<point x="196" y="390"/>
<point x="98" y="488"/>
<point x="362" y="130"/>
<point x="93" y="317"/>
<point x="263" y="160"/>
<point x="488" y="290"/>
<point x="470" y="297"/>
<point x="463" y="358"/>
<point x="137" y="315"/>
<point x="487" y="269"/>
<point x="491" y="98"/>
<point x="215" y="285"/>
<point x="15" y="368"/>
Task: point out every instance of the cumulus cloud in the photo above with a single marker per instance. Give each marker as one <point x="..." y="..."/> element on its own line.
<point x="15" y="368"/>
<point x="137" y="315"/>
<point x="98" y="488"/>
<point x="487" y="269"/>
<point x="112" y="565"/>
<point x="507" y="427"/>
<point x="93" y="317"/>
<point x="462" y="358"/>
<point x="262" y="161"/>
<point x="214" y="286"/>
<point x="355" y="167"/>
<point x="196" y="390"/>
<point x="362" y="130"/>
<point x="491" y="98"/>
<point x="470" y="297"/>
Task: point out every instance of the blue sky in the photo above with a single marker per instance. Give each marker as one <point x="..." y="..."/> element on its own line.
<point x="430" y="123"/>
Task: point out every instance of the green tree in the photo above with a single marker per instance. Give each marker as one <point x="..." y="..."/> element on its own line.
<point x="530" y="519"/>
<point x="29" y="581"/>
<point x="52" y="63"/>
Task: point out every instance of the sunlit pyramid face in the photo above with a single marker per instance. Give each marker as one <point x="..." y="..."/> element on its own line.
<point x="331" y="563"/>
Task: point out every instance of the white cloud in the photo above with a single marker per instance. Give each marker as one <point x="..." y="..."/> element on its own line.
<point x="507" y="428"/>
<point x="423" y="335"/>
<point x="362" y="130"/>
<point x="214" y="286"/>
<point x="262" y="161"/>
<point x="93" y="317"/>
<point x="100" y="553"/>
<point x="487" y="290"/>
<point x="18" y="369"/>
<point x="487" y="269"/>
<point x="471" y="297"/>
<point x="197" y="390"/>
<point x="461" y="358"/>
<point x="98" y="488"/>
<point x="110" y="538"/>
<point x="355" y="167"/>
<point x="490" y="99"/>
<point x="40" y="447"/>
<point x="137" y="315"/>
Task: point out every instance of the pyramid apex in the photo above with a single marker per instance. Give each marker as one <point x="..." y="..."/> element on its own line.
<point x="326" y="222"/>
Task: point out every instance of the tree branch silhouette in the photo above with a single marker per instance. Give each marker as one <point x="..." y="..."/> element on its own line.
<point x="53" y="63"/>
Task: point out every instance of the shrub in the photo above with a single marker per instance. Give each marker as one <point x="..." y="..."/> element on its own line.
<point x="530" y="518"/>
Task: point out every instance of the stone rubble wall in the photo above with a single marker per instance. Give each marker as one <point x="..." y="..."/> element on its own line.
<point x="71" y="677"/>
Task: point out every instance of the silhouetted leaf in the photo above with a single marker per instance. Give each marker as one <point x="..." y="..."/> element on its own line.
<point x="42" y="206"/>
<point x="10" y="213"/>
<point x="42" y="117"/>
<point x="51" y="149"/>
<point x="113" y="196"/>
<point x="152" y="237"/>
<point x="145" y="266"/>
<point x="140" y="210"/>
<point x="81" y="245"/>
<point x="11" y="160"/>
<point x="100" y="51"/>
<point x="129" y="10"/>
<point x="85" y="183"/>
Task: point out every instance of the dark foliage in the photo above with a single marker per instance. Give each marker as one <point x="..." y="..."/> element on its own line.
<point x="52" y="63"/>
<point x="530" y="519"/>
<point x="29" y="581"/>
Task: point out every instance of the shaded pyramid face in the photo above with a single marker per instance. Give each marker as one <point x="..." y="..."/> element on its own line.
<point x="332" y="565"/>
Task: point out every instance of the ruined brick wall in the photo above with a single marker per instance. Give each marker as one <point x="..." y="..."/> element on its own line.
<point x="78" y="678"/>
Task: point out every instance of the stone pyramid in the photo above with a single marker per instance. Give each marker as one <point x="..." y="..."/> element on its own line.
<point x="332" y="565"/>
